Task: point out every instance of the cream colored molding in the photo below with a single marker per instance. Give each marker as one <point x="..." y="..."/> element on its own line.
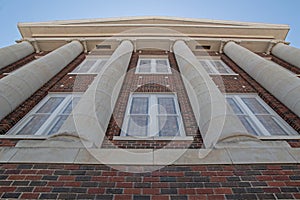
<point x="33" y="42"/>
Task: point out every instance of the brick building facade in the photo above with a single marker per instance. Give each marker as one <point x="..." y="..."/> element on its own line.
<point x="150" y="108"/>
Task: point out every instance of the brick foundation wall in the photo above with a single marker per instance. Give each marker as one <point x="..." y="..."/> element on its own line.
<point x="52" y="181"/>
<point x="152" y="83"/>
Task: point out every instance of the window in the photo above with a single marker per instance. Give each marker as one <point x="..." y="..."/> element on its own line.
<point x="215" y="67"/>
<point x="257" y="117"/>
<point x="90" y="66"/>
<point x="149" y="115"/>
<point x="153" y="66"/>
<point x="48" y="116"/>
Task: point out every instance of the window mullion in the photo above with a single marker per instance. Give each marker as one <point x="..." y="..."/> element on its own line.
<point x="94" y="65"/>
<point x="210" y="64"/>
<point x="52" y="116"/>
<point x="153" y="65"/>
<point x="261" y="129"/>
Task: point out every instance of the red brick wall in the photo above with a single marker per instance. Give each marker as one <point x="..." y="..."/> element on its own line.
<point x="152" y="83"/>
<point x="51" y="181"/>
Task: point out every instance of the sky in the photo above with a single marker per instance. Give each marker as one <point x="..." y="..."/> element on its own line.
<point x="265" y="11"/>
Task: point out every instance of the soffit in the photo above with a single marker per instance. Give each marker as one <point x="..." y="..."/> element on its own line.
<point x="153" y="26"/>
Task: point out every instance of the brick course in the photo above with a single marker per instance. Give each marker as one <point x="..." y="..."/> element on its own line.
<point x="50" y="181"/>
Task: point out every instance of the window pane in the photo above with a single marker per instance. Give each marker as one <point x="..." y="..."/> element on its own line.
<point x="139" y="105"/>
<point x="33" y="125"/>
<point x="162" y="66"/>
<point x="254" y="105"/>
<point x="271" y="125"/>
<point x="206" y="67"/>
<point x="84" y="67"/>
<point x="162" y="69"/>
<point x="168" y="126"/>
<point x="59" y="120"/>
<point x="162" y="62"/>
<point x="247" y="124"/>
<point x="98" y="67"/>
<point x="218" y="66"/>
<point x="236" y="109"/>
<point x="166" y="105"/>
<point x="71" y="105"/>
<point x="144" y="66"/>
<point x="51" y="105"/>
<point x="137" y="126"/>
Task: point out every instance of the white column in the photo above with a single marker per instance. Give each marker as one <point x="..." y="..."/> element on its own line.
<point x="90" y="118"/>
<point x="284" y="85"/>
<point x="287" y="53"/>
<point x="216" y="120"/>
<point x="21" y="84"/>
<point x="13" y="53"/>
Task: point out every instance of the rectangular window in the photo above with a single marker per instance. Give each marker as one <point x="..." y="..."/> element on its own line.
<point x="149" y="115"/>
<point x="257" y="117"/>
<point x="215" y="67"/>
<point x="48" y="116"/>
<point x="90" y="66"/>
<point x="153" y="66"/>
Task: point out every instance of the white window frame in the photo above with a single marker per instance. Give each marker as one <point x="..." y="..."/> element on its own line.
<point x="50" y="122"/>
<point x="92" y="68"/>
<point x="153" y="65"/>
<point x="153" y="129"/>
<point x="254" y="121"/>
<point x="214" y="70"/>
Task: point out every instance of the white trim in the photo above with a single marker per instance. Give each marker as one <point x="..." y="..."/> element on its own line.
<point x="153" y="129"/>
<point x="50" y="121"/>
<point x="168" y="138"/>
<point x="255" y="122"/>
<point x="153" y="65"/>
<point x="98" y="61"/>
<point x="212" y="69"/>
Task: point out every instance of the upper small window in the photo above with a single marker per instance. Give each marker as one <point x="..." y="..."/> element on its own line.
<point x="149" y="115"/>
<point x="153" y="66"/>
<point x="90" y="66"/>
<point x="48" y="116"/>
<point x="215" y="67"/>
<point x="257" y="117"/>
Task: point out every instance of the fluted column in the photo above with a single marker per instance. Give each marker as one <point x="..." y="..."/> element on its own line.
<point x="13" y="53"/>
<point x="21" y="84"/>
<point x="215" y="118"/>
<point x="284" y="85"/>
<point x="287" y="53"/>
<point x="90" y="118"/>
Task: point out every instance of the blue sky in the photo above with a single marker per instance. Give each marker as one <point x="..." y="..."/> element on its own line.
<point x="266" y="11"/>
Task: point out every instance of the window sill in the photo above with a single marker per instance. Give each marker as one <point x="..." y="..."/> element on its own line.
<point x="177" y="138"/>
<point x="280" y="137"/>
<point x="24" y="137"/>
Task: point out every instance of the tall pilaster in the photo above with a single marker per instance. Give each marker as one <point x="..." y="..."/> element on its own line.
<point x="21" y="84"/>
<point x="216" y="120"/>
<point x="287" y="53"/>
<point x="13" y="53"/>
<point x="90" y="118"/>
<point x="284" y="85"/>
